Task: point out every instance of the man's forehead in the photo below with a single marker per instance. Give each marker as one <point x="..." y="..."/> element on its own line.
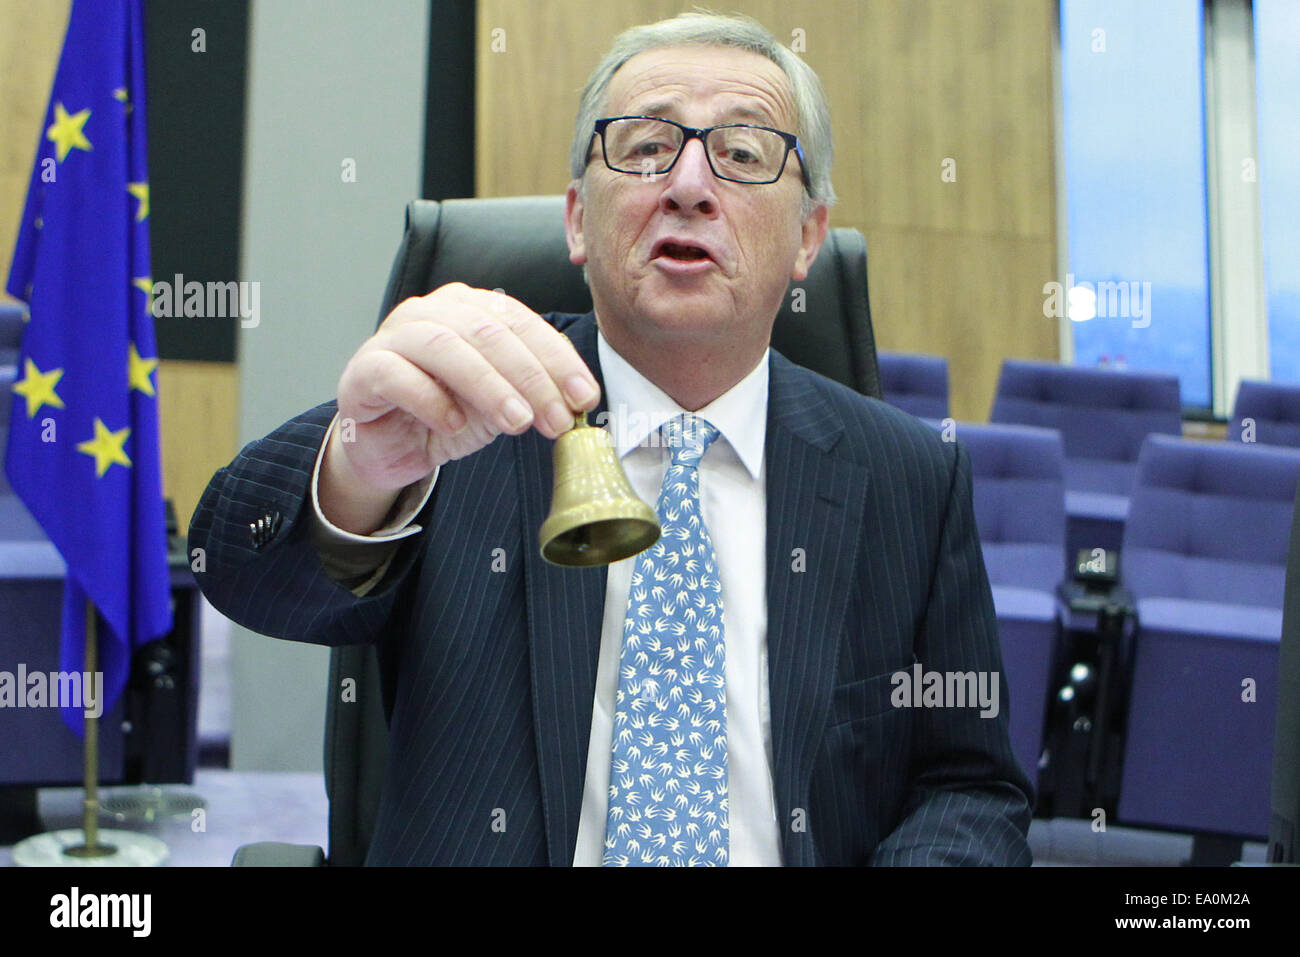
<point x="731" y="82"/>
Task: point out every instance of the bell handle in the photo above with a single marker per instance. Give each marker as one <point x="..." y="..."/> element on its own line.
<point x="579" y="418"/>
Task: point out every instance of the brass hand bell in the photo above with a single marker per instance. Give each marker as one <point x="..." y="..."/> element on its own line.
<point x="596" y="517"/>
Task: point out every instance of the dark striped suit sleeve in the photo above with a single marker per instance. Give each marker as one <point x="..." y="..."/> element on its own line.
<point x="282" y="589"/>
<point x="968" y="802"/>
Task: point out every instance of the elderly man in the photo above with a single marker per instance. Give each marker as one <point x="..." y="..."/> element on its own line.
<point x="728" y="695"/>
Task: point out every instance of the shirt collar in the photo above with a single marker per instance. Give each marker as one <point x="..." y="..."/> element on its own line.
<point x="638" y="407"/>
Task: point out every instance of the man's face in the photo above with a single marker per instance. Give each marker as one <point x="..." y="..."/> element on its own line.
<point x="754" y="235"/>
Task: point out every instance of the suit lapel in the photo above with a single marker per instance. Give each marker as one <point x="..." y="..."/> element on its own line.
<point x="565" y="608"/>
<point x="814" y="501"/>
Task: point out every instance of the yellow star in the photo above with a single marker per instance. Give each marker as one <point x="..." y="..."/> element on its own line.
<point x="145" y="285"/>
<point x="106" y="447"/>
<point x="121" y="94"/>
<point x="37" y="388"/>
<point x="66" y="133"/>
<point x="141" y="192"/>
<point x="138" y="371"/>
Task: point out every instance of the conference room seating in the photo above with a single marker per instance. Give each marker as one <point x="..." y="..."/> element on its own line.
<point x="1205" y="553"/>
<point x="29" y="562"/>
<point x="1103" y="416"/>
<point x="13" y="317"/>
<point x="915" y="383"/>
<point x="517" y="244"/>
<point x="1019" y="489"/>
<point x="1266" y="412"/>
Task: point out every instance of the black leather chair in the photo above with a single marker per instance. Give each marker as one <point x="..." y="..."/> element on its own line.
<point x="517" y="245"/>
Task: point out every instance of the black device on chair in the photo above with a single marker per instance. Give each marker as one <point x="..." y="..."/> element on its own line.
<point x="1085" y="735"/>
<point x="517" y="245"/>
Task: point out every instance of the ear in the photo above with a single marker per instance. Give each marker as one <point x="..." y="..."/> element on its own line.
<point x="814" y="234"/>
<point x="573" y="209"/>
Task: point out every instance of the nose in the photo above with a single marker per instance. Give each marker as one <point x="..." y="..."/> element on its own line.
<point x="691" y="184"/>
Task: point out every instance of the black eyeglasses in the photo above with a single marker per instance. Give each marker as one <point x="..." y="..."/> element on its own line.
<point x="737" y="152"/>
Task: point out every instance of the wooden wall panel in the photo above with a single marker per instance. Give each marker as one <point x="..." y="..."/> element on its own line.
<point x="975" y="300"/>
<point x="967" y="81"/>
<point x="31" y="37"/>
<point x="198" y="403"/>
<point x="956" y="268"/>
<point x="528" y="91"/>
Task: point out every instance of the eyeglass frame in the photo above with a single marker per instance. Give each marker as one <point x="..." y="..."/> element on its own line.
<point x="690" y="133"/>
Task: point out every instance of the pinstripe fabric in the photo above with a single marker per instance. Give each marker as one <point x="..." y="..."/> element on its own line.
<point x="873" y="563"/>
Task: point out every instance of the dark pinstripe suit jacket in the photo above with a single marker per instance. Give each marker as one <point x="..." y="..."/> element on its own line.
<point x="872" y="563"/>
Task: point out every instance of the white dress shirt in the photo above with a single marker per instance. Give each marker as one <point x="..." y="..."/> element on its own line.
<point x="733" y="504"/>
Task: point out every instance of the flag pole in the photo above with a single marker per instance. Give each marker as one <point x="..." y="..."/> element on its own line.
<point x="86" y="283"/>
<point x="90" y="805"/>
<point x="57" y="848"/>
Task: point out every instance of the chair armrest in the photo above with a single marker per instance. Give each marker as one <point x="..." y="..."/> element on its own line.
<point x="1213" y="619"/>
<point x="1030" y="604"/>
<point x="1096" y="505"/>
<point x="276" y="854"/>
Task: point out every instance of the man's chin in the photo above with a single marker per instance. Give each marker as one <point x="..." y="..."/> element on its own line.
<point x="679" y="315"/>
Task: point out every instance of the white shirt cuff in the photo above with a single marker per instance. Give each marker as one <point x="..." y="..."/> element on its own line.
<point x="409" y="502"/>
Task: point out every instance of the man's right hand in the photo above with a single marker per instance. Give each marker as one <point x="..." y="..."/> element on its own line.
<point x="443" y="376"/>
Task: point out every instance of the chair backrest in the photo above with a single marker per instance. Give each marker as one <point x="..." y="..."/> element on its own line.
<point x="25" y="550"/>
<point x="13" y="319"/>
<point x="1018" y="473"/>
<point x="1102" y="414"/>
<point x="1210" y="521"/>
<point x="915" y="383"/>
<point x="1266" y="412"/>
<point x="11" y="339"/>
<point x="8" y="377"/>
<point x="517" y="244"/>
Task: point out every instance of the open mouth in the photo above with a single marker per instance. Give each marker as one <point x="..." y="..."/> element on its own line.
<point x="681" y="252"/>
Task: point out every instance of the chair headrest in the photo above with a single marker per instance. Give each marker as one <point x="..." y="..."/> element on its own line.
<point x="13" y="320"/>
<point x="517" y="244"/>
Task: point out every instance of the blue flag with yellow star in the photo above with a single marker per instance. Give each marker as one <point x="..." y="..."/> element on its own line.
<point x="83" y="443"/>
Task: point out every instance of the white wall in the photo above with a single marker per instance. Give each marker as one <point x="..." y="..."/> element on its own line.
<point x="327" y="81"/>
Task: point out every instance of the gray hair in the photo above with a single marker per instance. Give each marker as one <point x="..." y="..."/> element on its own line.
<point x="706" y="29"/>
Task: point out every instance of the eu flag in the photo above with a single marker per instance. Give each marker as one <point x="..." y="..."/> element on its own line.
<point x="83" y="443"/>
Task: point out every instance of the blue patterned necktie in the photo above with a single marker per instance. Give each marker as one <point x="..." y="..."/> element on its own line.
<point x="668" y="773"/>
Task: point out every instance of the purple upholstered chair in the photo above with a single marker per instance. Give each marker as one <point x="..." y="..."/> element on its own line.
<point x="1205" y="554"/>
<point x="915" y="383"/>
<point x="25" y="551"/>
<point x="1019" y="488"/>
<point x="1266" y="412"/>
<point x="13" y="318"/>
<point x="1103" y="416"/>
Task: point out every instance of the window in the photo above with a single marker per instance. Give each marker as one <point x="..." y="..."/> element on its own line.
<point x="1277" y="97"/>
<point x="1135" y="180"/>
